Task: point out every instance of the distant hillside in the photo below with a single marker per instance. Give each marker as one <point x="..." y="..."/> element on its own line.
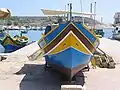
<point x="40" y="20"/>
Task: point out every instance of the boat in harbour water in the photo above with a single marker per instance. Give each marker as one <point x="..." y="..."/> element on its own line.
<point x="11" y="44"/>
<point x="24" y="31"/>
<point x="99" y="32"/>
<point x="68" y="46"/>
<point x="116" y="34"/>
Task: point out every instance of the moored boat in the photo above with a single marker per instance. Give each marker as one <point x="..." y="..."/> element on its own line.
<point x="68" y="47"/>
<point x="11" y="44"/>
<point x="99" y="32"/>
<point x="116" y="34"/>
<point x="24" y="31"/>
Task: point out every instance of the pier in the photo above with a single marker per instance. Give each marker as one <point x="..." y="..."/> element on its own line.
<point x="20" y="72"/>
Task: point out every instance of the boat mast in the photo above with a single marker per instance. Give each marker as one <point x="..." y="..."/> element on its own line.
<point x="94" y="13"/>
<point x="70" y="11"/>
<point x="91" y="15"/>
<point x="81" y="12"/>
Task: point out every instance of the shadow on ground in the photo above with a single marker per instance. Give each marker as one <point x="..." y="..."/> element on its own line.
<point x="37" y="79"/>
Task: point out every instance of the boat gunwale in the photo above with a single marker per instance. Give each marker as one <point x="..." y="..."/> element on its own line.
<point x="48" y="33"/>
<point x="56" y="36"/>
<point x="85" y="36"/>
<point x="77" y="29"/>
<point x="12" y="39"/>
<point x="70" y="46"/>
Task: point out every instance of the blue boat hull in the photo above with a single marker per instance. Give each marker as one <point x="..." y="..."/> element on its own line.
<point x="2" y="35"/>
<point x="11" y="48"/>
<point x="69" y="61"/>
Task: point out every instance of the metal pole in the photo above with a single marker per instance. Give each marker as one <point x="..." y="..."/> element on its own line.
<point x="91" y="9"/>
<point x="91" y="13"/>
<point x="65" y="11"/>
<point x="81" y="12"/>
<point x="94" y="13"/>
<point x="70" y="11"/>
<point x="101" y="20"/>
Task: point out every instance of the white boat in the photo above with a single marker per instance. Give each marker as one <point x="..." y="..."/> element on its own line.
<point x="116" y="34"/>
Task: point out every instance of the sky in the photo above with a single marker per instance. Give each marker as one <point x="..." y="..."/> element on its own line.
<point x="104" y="8"/>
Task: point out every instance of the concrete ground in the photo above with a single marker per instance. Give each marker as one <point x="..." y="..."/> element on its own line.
<point x="30" y="75"/>
<point x="19" y="73"/>
<point x="103" y="79"/>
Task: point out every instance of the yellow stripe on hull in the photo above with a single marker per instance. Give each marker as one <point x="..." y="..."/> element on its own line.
<point x="70" y="41"/>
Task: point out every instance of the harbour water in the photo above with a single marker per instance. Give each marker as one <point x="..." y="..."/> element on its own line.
<point x="36" y="35"/>
<point x="108" y="32"/>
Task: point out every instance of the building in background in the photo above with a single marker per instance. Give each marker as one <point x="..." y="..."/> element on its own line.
<point x="117" y="18"/>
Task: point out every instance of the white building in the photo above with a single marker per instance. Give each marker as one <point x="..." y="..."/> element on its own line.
<point x="117" y="18"/>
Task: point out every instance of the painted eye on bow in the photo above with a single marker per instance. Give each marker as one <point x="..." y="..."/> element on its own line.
<point x="64" y="44"/>
<point x="77" y="44"/>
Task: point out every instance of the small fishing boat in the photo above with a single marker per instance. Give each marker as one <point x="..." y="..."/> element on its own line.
<point x="69" y="46"/>
<point x="99" y="32"/>
<point x="11" y="44"/>
<point x="24" y="31"/>
<point x="116" y="34"/>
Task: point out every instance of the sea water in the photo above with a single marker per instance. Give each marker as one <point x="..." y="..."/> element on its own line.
<point x="32" y="34"/>
<point x="108" y="32"/>
<point x="36" y="35"/>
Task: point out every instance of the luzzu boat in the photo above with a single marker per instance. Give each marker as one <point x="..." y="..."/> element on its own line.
<point x="116" y="34"/>
<point x="11" y="44"/>
<point x="68" y="47"/>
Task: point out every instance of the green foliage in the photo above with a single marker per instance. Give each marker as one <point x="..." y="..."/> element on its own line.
<point x="9" y="22"/>
<point x="39" y="20"/>
<point x="15" y="23"/>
